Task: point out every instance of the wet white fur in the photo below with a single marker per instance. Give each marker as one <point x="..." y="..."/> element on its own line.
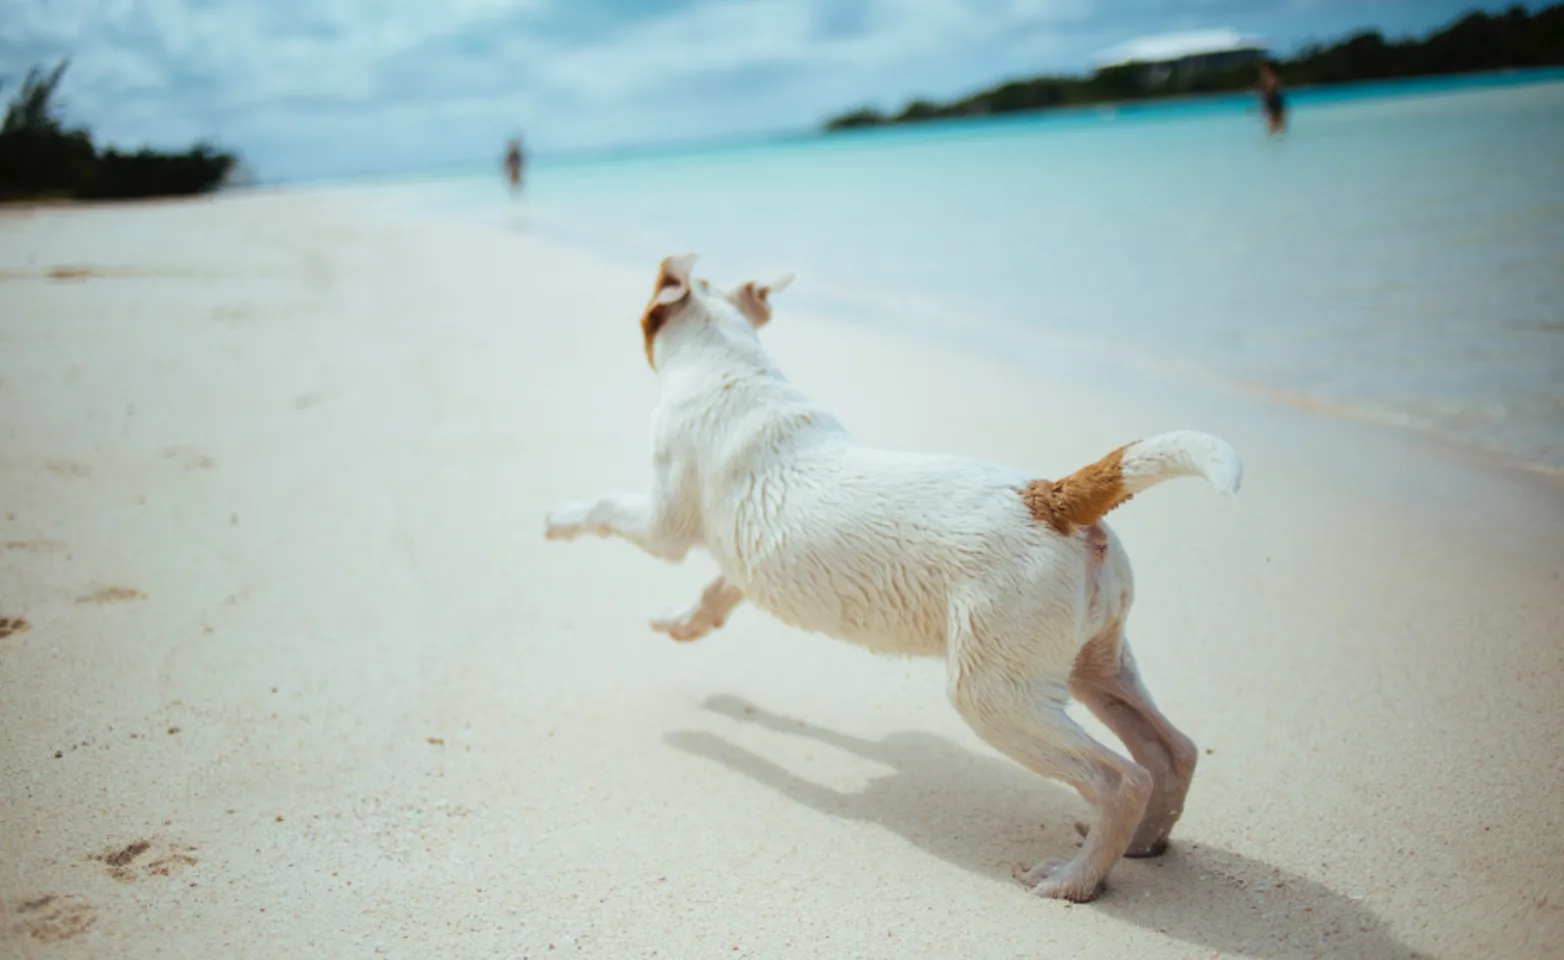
<point x="902" y="553"/>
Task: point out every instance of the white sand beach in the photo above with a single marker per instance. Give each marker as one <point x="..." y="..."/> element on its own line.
<point x="288" y="669"/>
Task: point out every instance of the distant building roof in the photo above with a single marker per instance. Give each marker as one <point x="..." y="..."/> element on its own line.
<point x="1176" y="46"/>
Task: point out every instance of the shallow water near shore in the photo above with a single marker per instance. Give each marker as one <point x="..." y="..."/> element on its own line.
<point x="1397" y="257"/>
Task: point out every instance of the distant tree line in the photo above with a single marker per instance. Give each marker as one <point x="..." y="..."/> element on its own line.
<point x="40" y="158"/>
<point x="1476" y="41"/>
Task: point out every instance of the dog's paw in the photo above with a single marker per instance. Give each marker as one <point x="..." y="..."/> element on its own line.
<point x="1056" y="880"/>
<point x="566" y="521"/>
<point x="1038" y="873"/>
<point x="682" y="627"/>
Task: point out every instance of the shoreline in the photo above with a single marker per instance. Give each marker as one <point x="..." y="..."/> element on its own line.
<point x="1181" y="375"/>
<point x="1436" y="478"/>
<point x="1158" y="379"/>
<point x="1142" y="376"/>
<point x="299" y="672"/>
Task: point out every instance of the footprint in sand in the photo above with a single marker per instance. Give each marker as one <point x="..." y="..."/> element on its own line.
<point x="192" y="458"/>
<point x="11" y="626"/>
<point x="231" y="316"/>
<point x="53" y="917"/>
<point x="107" y="595"/>
<point x="34" y="546"/>
<point x="145" y="858"/>
<point x="72" y="272"/>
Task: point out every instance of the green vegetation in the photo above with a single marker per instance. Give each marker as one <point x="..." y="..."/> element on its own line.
<point x="40" y="158"/>
<point x="1477" y="41"/>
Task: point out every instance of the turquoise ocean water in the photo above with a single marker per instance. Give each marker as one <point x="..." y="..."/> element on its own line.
<point x="1397" y="257"/>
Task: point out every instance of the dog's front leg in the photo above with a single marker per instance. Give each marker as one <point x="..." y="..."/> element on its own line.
<point x="649" y="521"/>
<point x="704" y="615"/>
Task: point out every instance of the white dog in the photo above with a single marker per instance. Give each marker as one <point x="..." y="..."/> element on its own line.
<point x="1014" y="581"/>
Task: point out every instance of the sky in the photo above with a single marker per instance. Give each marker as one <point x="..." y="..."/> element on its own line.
<point x="306" y="89"/>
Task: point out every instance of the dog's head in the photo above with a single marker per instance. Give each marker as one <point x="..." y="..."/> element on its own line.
<point x="680" y="299"/>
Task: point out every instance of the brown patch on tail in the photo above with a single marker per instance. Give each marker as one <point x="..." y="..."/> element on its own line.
<point x="1082" y="498"/>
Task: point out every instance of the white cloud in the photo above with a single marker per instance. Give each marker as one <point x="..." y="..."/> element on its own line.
<point x="706" y="40"/>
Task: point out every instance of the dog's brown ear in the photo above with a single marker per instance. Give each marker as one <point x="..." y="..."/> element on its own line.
<point x="673" y="278"/>
<point x="754" y="299"/>
<point x="673" y="285"/>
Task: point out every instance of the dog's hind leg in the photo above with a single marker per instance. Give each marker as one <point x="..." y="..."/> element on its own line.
<point x="1106" y="680"/>
<point x="704" y="615"/>
<point x="1024" y="718"/>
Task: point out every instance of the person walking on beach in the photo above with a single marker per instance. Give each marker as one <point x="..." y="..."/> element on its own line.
<point x="513" y="164"/>
<point x="1271" y="98"/>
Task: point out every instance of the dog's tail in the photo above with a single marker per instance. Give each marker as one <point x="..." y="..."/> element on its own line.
<point x="1086" y="496"/>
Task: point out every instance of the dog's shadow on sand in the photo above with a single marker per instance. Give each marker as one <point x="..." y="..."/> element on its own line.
<point x="982" y="814"/>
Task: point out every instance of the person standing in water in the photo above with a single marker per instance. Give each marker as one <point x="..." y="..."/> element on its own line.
<point x="1271" y="98"/>
<point x="513" y="164"/>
